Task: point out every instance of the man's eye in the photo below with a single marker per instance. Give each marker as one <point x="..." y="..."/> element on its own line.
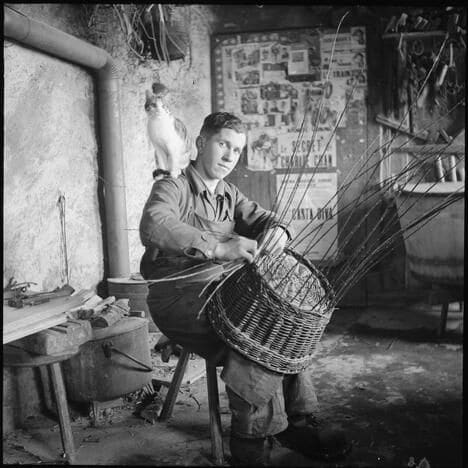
<point x="221" y="143"/>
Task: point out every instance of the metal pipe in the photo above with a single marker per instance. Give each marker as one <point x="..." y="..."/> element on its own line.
<point x="57" y="43"/>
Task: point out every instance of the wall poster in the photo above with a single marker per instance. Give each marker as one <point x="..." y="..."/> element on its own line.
<point x="311" y="211"/>
<point x="296" y="99"/>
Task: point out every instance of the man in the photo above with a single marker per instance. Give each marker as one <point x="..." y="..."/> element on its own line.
<point x="190" y="226"/>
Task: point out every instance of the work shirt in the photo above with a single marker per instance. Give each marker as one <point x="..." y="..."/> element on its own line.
<point x="166" y="230"/>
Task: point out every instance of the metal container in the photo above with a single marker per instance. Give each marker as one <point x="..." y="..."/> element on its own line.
<point x="115" y="362"/>
<point x="134" y="290"/>
<point x="435" y="251"/>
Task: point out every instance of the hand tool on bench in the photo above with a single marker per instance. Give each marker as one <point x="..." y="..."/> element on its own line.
<point x="22" y="299"/>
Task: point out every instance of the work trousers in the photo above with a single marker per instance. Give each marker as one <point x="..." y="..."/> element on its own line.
<point x="262" y="402"/>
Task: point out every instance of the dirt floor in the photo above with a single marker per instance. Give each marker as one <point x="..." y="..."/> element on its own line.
<point x="382" y="373"/>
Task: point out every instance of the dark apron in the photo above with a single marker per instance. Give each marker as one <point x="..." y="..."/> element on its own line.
<point x="175" y="305"/>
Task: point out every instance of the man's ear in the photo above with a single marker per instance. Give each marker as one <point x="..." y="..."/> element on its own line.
<point x="200" y="142"/>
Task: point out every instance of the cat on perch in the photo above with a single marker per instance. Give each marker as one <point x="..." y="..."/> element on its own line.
<point x="173" y="146"/>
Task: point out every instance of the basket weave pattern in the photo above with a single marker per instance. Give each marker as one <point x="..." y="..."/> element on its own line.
<point x="249" y="315"/>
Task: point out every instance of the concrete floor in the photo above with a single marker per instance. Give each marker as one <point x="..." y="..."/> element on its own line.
<point x="382" y="373"/>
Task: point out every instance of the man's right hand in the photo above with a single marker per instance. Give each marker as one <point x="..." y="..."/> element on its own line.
<point x="238" y="247"/>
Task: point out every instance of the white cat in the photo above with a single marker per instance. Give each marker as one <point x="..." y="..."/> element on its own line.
<point x="173" y="146"/>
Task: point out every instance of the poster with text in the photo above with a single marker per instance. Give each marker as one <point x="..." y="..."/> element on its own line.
<point x="308" y="202"/>
<point x="307" y="151"/>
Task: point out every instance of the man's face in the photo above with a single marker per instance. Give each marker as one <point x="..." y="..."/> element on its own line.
<point x="219" y="154"/>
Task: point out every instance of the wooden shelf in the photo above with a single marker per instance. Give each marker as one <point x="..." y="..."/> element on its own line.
<point x="440" y="149"/>
<point x="414" y="35"/>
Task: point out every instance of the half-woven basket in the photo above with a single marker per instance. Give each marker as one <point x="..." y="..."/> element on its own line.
<point x="276" y="324"/>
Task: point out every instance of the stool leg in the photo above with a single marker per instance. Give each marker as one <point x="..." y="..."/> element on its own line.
<point x="62" y="410"/>
<point x="171" y="396"/>
<point x="215" y="419"/>
<point x="443" y="317"/>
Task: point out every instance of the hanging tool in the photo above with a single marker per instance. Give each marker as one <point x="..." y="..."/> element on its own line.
<point x="401" y="25"/>
<point x="63" y="234"/>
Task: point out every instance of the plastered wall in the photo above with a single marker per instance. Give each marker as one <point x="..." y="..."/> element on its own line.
<point x="51" y="149"/>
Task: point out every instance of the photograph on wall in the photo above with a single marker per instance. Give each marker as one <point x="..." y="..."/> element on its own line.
<point x="311" y="213"/>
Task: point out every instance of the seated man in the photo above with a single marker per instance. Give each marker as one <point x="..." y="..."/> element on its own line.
<point x="199" y="219"/>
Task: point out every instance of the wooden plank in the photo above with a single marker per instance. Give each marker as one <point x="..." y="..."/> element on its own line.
<point x="33" y="328"/>
<point x="15" y="318"/>
<point x="18" y="323"/>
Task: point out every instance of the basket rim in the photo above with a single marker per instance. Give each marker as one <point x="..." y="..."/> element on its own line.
<point x="329" y="292"/>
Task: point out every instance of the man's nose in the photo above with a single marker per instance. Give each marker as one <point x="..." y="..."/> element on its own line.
<point x="229" y="154"/>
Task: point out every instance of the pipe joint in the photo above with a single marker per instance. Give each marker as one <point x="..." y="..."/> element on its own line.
<point x="109" y="71"/>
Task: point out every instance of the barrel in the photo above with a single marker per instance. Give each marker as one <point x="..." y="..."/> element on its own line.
<point x="136" y="291"/>
<point x="106" y="366"/>
<point x="434" y="249"/>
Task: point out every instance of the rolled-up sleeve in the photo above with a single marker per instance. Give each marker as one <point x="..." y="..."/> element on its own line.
<point x="161" y="224"/>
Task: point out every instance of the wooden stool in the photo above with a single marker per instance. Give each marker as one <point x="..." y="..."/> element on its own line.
<point x="445" y="294"/>
<point x="17" y="357"/>
<point x="213" y="403"/>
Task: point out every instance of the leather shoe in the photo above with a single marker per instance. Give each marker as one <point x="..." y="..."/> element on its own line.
<point x="249" y="452"/>
<point x="315" y="439"/>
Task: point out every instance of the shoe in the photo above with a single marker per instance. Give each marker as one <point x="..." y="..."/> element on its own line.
<point x="315" y="439"/>
<point x="249" y="452"/>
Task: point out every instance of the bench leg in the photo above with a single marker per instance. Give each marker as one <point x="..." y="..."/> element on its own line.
<point x="215" y="420"/>
<point x="171" y="396"/>
<point x="62" y="410"/>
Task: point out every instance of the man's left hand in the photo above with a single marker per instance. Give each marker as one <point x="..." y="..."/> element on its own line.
<point x="272" y="241"/>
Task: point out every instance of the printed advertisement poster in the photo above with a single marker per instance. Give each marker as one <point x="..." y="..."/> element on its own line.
<point x="267" y="150"/>
<point x="311" y="212"/>
<point x="305" y="153"/>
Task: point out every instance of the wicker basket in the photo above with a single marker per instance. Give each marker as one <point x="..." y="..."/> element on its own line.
<point x="249" y="315"/>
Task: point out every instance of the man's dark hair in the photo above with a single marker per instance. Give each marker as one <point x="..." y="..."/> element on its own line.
<point x="213" y="124"/>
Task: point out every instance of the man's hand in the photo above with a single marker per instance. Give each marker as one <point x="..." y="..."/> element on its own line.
<point x="272" y="241"/>
<point x="238" y="247"/>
